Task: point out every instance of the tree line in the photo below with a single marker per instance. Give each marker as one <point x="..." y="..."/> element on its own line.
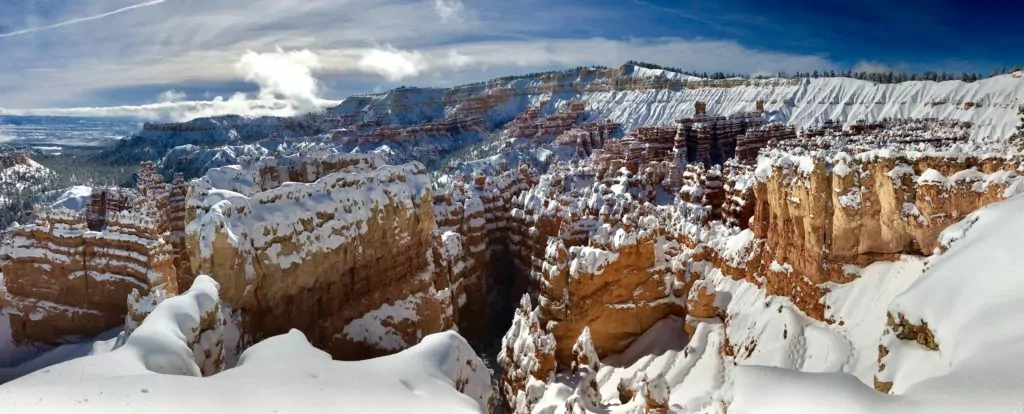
<point x="873" y="76"/>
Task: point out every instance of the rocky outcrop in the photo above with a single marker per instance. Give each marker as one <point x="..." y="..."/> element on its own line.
<point x="818" y="212"/>
<point x="68" y="274"/>
<point x="528" y="358"/>
<point x="341" y="247"/>
<point x="602" y="255"/>
<point x="10" y="159"/>
<point x="593" y="262"/>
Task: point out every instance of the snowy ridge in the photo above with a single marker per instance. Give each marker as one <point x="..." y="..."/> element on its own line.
<point x="254" y="215"/>
<point x="21" y="179"/>
<point x="632" y="96"/>
<point x="158" y="369"/>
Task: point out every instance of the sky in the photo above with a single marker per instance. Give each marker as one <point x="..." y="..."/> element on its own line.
<point x="178" y="59"/>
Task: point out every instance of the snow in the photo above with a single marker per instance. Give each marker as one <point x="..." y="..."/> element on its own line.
<point x="851" y="199"/>
<point x="931" y="176"/>
<point x="104" y="343"/>
<point x="75" y="199"/>
<point x="736" y="250"/>
<point x="862" y="308"/>
<point x="156" y="371"/>
<point x="377" y="326"/>
<point x="589" y="261"/>
<point x="969" y="297"/>
<point x="253" y="212"/>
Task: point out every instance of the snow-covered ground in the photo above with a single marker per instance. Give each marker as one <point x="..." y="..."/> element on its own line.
<point x="157" y="370"/>
<point x="970" y="299"/>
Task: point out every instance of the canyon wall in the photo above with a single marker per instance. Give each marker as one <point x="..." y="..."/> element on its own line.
<point x="340" y="246"/>
<point x="822" y="211"/>
<point x="603" y="255"/>
<point x="67" y="276"/>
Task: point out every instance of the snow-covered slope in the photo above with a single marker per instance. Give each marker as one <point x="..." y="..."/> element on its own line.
<point x="193" y="161"/>
<point x="18" y="186"/>
<point x="970" y="299"/>
<point x="967" y="298"/>
<point x="942" y="330"/>
<point x="21" y="178"/>
<point x="764" y="331"/>
<point x="157" y="370"/>
<point x="798" y="102"/>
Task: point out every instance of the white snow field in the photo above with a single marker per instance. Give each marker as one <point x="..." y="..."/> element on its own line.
<point x="971" y="298"/>
<point x="156" y="371"/>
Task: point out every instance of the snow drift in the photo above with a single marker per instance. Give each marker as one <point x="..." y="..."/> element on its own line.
<point x="969" y="299"/>
<point x="158" y="369"/>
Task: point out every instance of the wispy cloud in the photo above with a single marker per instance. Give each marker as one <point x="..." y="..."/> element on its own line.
<point x="393" y="64"/>
<point x="299" y="53"/>
<point x="171" y="95"/>
<point x="81" y="19"/>
<point x="448" y="9"/>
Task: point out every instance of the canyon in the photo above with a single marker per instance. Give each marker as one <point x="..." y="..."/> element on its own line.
<point x="600" y="259"/>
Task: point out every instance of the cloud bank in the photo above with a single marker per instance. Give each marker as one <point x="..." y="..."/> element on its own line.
<point x="286" y="83"/>
<point x="187" y="45"/>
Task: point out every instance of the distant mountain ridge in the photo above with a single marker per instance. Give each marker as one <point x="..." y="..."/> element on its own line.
<point x="632" y="95"/>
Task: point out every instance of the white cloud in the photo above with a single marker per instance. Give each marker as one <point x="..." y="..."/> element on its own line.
<point x="171" y="95"/>
<point x="286" y="82"/>
<point x="177" y="111"/>
<point x="286" y="75"/>
<point x="196" y="44"/>
<point x="458" y="60"/>
<point x="448" y="9"/>
<point x="393" y="64"/>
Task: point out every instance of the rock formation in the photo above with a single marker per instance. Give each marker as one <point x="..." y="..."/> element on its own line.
<point x="603" y="256"/>
<point x="10" y="159"/>
<point x="69" y="273"/>
<point x="341" y="247"/>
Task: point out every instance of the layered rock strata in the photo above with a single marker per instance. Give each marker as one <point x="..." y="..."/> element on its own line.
<point x="341" y="247"/>
<point x="68" y="274"/>
<point x="602" y="255"/>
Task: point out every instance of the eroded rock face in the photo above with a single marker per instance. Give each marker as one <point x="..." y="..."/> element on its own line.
<point x="599" y="252"/>
<point x="68" y="274"/>
<point x="10" y="159"/>
<point x="527" y="356"/>
<point x="592" y="261"/>
<point x="345" y="251"/>
<point x="867" y="207"/>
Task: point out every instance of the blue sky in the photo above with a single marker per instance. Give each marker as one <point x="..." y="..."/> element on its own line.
<point x="164" y="59"/>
